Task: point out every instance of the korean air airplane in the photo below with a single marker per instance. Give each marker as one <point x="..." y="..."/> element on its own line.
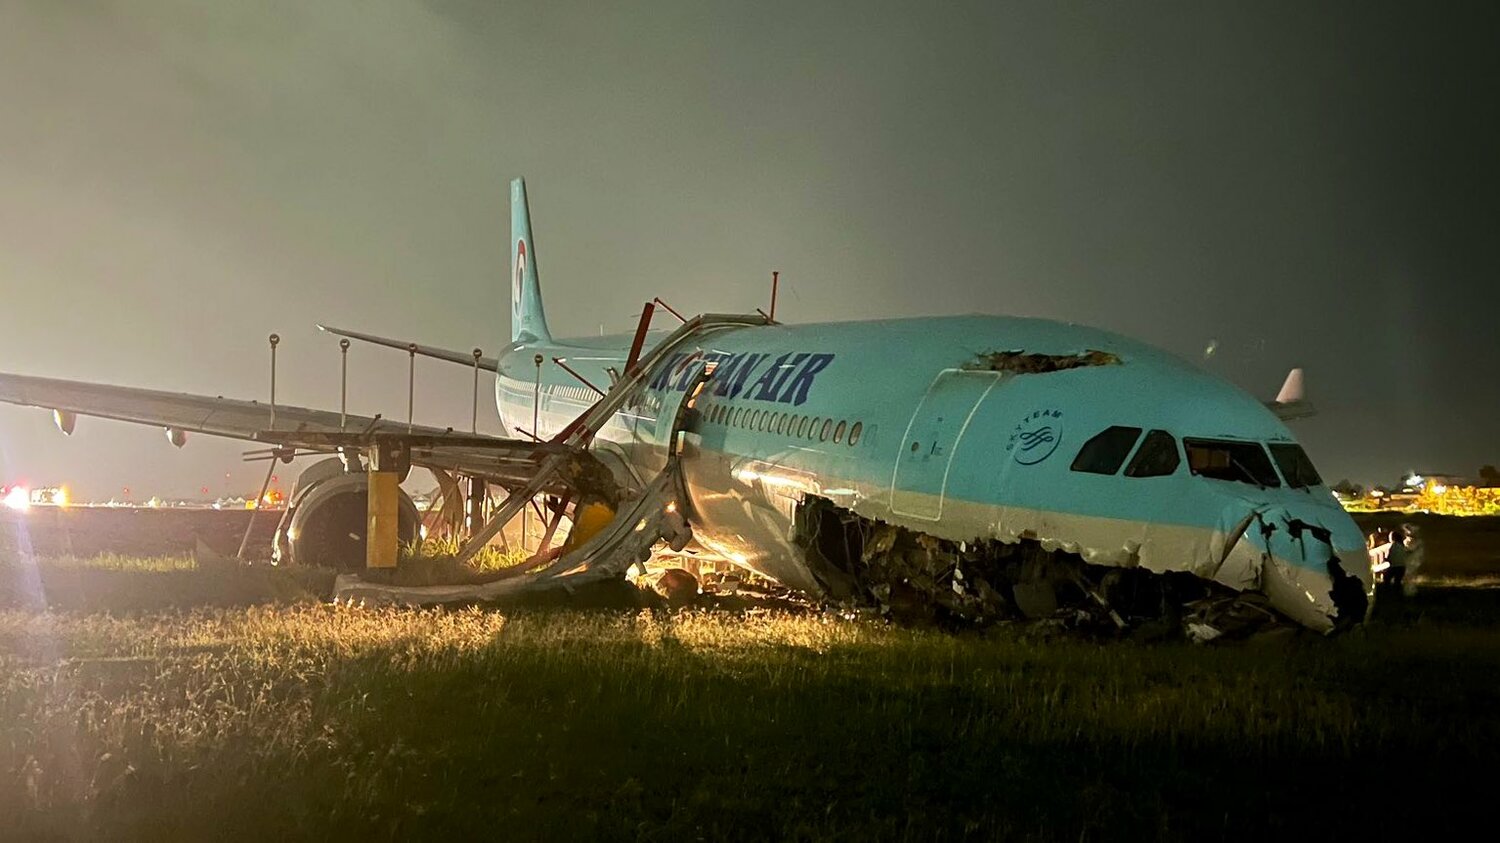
<point x="977" y="464"/>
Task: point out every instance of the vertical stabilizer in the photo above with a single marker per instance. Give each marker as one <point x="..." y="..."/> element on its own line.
<point x="527" y="321"/>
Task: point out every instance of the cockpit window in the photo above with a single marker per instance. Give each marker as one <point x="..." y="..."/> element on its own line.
<point x="1104" y="453"/>
<point x="1295" y="466"/>
<point x="1223" y="459"/>
<point x="1157" y="457"/>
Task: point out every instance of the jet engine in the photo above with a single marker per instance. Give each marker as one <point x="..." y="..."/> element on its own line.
<point x="327" y="514"/>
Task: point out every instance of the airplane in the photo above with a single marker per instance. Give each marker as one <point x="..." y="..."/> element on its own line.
<point x="975" y="464"/>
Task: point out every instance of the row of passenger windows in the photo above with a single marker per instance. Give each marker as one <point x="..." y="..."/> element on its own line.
<point x="811" y="428"/>
<point x="575" y="393"/>
<point x="1217" y="459"/>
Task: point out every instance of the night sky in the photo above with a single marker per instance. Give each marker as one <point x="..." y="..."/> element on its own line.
<point x="1285" y="184"/>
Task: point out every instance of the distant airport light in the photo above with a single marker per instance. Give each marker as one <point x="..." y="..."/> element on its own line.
<point x="1414" y="480"/>
<point x="18" y="499"/>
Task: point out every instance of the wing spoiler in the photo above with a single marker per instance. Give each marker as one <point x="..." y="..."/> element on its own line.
<point x="465" y="358"/>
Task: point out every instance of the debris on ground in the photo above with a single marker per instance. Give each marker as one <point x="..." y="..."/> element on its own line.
<point x="914" y="578"/>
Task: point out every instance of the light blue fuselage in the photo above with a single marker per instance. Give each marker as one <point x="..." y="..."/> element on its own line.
<point x="943" y="444"/>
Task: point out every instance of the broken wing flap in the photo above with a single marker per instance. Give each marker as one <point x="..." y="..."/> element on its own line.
<point x="638" y="525"/>
<point x="582" y="429"/>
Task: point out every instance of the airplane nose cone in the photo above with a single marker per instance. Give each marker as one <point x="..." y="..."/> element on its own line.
<point x="1312" y="567"/>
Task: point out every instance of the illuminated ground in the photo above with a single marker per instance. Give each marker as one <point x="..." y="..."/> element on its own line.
<point x="159" y="700"/>
<point x="309" y="720"/>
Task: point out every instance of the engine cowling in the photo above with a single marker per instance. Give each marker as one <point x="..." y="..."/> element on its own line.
<point x="327" y="517"/>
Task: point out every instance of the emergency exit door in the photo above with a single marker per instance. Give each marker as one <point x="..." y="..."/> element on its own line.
<point x="920" y="483"/>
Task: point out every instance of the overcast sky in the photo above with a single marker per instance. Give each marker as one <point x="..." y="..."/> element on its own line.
<point x="1286" y="184"/>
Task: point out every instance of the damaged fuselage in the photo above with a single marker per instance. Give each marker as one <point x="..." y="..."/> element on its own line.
<point x="970" y="433"/>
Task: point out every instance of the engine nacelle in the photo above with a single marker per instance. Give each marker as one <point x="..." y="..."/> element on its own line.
<point x="65" y="421"/>
<point x="177" y="436"/>
<point x="328" y="515"/>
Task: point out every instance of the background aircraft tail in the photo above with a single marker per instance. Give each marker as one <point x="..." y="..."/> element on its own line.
<point x="528" y="323"/>
<point x="1291" y="402"/>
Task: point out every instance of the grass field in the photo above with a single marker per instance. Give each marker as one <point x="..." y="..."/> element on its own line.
<point x="308" y="720"/>
<point x="153" y="699"/>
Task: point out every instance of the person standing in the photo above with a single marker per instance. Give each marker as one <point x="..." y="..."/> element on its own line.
<point x="1412" y="556"/>
<point x="1396" y="558"/>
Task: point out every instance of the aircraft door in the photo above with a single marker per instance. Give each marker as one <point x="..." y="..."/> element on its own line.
<point x="932" y="436"/>
<point x="678" y="409"/>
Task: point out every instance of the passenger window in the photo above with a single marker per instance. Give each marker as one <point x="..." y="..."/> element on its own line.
<point x="855" y="431"/>
<point x="827" y="426"/>
<point x="1157" y="457"/>
<point x="1104" y="453"/>
<point x="802" y="425"/>
<point x="781" y="422"/>
<point x="1224" y="459"/>
<point x="838" y="433"/>
<point x="813" y="433"/>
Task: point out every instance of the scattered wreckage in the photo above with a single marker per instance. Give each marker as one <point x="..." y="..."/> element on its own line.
<point x="915" y="577"/>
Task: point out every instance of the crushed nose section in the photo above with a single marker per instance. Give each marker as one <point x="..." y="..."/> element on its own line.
<point x="1026" y="363"/>
<point x="1350" y="602"/>
<point x="1290" y="558"/>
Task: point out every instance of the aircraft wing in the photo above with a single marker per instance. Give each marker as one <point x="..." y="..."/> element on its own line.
<point x="498" y="459"/>
<point x="466" y="358"/>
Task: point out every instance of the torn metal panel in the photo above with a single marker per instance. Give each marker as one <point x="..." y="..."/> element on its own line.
<point x="1038" y="563"/>
<point x="1030" y="363"/>
<point x="641" y="522"/>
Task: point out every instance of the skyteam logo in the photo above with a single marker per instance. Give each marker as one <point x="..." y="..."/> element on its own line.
<point x="1036" y="437"/>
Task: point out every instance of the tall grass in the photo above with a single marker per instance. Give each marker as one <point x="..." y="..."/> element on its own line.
<point x="312" y="720"/>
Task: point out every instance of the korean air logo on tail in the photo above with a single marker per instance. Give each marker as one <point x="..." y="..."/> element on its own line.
<point x="515" y="292"/>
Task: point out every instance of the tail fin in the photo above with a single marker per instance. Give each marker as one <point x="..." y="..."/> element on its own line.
<point x="1291" y="402"/>
<point x="528" y="323"/>
<point x="1292" y="389"/>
